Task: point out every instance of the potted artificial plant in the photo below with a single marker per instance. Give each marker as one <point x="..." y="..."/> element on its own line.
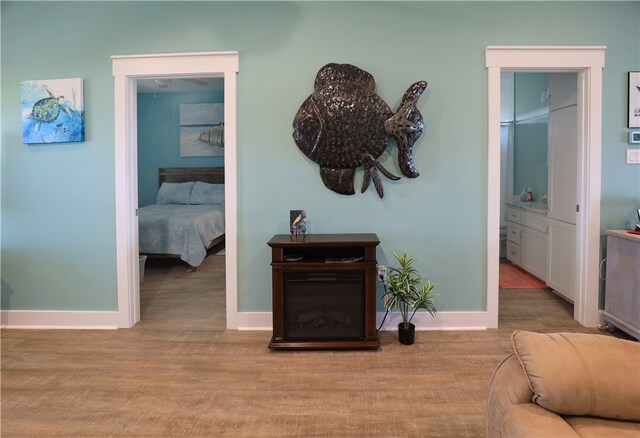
<point x="406" y="291"/>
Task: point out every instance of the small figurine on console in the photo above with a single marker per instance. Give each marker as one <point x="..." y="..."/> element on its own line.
<point x="298" y="222"/>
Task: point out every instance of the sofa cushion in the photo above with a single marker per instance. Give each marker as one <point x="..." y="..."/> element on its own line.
<point x="531" y="421"/>
<point x="582" y="374"/>
<point x="592" y="427"/>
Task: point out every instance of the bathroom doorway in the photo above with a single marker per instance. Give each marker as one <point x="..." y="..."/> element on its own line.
<point x="587" y="63"/>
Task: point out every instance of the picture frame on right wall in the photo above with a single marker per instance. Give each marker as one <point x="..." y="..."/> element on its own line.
<point x="634" y="99"/>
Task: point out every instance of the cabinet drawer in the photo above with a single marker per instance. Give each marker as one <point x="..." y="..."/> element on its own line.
<point x="514" y="253"/>
<point x="535" y="221"/>
<point x="514" y="233"/>
<point x="514" y="215"/>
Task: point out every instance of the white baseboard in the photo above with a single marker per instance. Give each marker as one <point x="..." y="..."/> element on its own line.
<point x="255" y="321"/>
<point x="93" y="320"/>
<point x="58" y="319"/>
<point x="441" y="321"/>
<point x="422" y="321"/>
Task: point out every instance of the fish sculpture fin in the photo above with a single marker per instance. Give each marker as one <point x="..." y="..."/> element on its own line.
<point x="332" y="73"/>
<point x="371" y="167"/>
<point x="338" y="180"/>
<point x="406" y="126"/>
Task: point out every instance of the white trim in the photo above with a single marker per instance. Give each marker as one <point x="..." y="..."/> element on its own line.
<point x="441" y="321"/>
<point x="588" y="62"/>
<point x="231" y="201"/>
<point x="589" y="179"/>
<point x="493" y="198"/>
<point x="423" y="321"/>
<point x="127" y="261"/>
<point x="54" y="319"/>
<point x="126" y="70"/>
<point x="545" y="58"/>
<point x="261" y="321"/>
<point x="255" y="321"/>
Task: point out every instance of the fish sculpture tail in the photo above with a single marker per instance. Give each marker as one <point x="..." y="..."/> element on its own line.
<point x="406" y="126"/>
<point x="371" y="168"/>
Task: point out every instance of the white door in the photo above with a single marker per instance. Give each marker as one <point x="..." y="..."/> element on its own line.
<point x="561" y="270"/>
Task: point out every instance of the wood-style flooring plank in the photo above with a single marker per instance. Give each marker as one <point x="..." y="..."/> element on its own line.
<point x="179" y="373"/>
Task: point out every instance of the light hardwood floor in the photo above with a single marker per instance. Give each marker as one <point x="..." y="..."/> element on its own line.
<point x="178" y="373"/>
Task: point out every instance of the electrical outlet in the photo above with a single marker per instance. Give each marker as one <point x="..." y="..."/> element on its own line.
<point x="382" y="273"/>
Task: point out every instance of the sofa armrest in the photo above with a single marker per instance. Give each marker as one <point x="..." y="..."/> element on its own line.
<point x="532" y="421"/>
<point x="509" y="386"/>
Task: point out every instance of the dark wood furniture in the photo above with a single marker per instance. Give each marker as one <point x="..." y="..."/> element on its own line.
<point x="211" y="175"/>
<point x="324" y="291"/>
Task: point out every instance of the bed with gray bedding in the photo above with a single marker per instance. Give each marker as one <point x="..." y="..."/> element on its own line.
<point x="188" y="217"/>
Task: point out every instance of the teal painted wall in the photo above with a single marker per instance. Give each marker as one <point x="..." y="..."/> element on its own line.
<point x="527" y="99"/>
<point x="58" y="220"/>
<point x="159" y="138"/>
<point x="531" y="134"/>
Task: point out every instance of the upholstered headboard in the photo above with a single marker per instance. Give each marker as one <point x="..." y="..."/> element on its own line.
<point x="212" y="175"/>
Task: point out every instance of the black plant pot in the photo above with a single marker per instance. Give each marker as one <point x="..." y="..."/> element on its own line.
<point x="406" y="335"/>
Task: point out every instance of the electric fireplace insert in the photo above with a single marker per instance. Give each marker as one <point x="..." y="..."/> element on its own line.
<point x="323" y="305"/>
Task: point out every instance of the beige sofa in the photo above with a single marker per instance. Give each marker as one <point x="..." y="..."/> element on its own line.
<point x="566" y="385"/>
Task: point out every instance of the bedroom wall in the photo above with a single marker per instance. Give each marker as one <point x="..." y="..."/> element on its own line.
<point x="58" y="225"/>
<point x="159" y="138"/>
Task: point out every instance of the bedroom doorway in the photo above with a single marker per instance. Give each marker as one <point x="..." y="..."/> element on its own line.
<point x="180" y="124"/>
<point x="588" y="63"/>
<point x="127" y="71"/>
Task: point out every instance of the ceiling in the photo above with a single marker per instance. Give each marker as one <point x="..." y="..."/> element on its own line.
<point x="180" y="85"/>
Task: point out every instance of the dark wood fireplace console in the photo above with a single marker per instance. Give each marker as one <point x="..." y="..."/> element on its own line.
<point x="324" y="291"/>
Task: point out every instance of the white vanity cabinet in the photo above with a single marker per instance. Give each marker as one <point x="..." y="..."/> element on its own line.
<point x="527" y="240"/>
<point x="514" y="235"/>
<point x="534" y="243"/>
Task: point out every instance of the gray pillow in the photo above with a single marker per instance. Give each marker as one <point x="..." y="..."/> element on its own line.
<point x="205" y="193"/>
<point x="174" y="193"/>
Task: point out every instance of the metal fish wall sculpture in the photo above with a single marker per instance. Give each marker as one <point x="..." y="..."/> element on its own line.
<point x="344" y="124"/>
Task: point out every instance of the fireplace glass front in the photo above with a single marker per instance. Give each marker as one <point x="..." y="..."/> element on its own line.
<point x="324" y="305"/>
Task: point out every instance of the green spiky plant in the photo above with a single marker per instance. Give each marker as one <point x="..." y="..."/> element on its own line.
<point x="407" y="291"/>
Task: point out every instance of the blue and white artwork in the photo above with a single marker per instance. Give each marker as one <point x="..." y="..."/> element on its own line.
<point x="201" y="130"/>
<point x="52" y="111"/>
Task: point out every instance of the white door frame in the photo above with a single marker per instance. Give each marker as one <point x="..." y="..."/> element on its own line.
<point x="588" y="63"/>
<point x="126" y="71"/>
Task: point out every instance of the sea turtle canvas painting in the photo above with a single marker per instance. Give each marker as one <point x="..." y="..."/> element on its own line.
<point x="52" y="111"/>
